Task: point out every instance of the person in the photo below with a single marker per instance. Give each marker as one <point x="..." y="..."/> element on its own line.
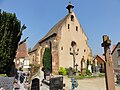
<point x="43" y="73"/>
<point x="16" y="85"/>
<point x="22" y="77"/>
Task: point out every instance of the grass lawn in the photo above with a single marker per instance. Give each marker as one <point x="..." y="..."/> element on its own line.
<point x="87" y="76"/>
<point x="3" y="75"/>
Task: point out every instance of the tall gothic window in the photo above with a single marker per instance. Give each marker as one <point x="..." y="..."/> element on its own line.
<point x="72" y="18"/>
<point x="68" y="26"/>
<point x="84" y="50"/>
<point x="76" y="28"/>
<point x="61" y="48"/>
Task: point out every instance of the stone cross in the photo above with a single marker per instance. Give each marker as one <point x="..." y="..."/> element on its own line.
<point x="109" y="76"/>
<point x="76" y="65"/>
<point x="74" y="53"/>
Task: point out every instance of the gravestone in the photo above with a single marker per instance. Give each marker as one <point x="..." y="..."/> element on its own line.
<point x="118" y="79"/>
<point x="56" y="83"/>
<point x="6" y="83"/>
<point x="70" y="73"/>
<point x="35" y="84"/>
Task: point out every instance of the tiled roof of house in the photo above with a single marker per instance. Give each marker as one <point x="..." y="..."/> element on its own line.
<point x="22" y="51"/>
<point x="100" y="56"/>
<point x="114" y="47"/>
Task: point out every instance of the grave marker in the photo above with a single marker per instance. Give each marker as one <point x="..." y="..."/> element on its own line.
<point x="109" y="76"/>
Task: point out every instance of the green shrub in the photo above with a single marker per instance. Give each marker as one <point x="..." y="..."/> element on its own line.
<point x="70" y="69"/>
<point x="3" y="75"/>
<point x="62" y="71"/>
<point x="67" y="71"/>
<point x="88" y="72"/>
<point x="81" y="77"/>
<point x="101" y="74"/>
<point x="77" y="77"/>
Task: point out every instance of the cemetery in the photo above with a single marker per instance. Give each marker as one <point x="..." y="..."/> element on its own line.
<point x="61" y="60"/>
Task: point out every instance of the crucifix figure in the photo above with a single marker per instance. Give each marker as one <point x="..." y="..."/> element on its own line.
<point x="109" y="76"/>
<point x="74" y="53"/>
<point x="76" y="65"/>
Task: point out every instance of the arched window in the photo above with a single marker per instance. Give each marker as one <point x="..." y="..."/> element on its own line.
<point x="68" y="26"/>
<point x="72" y="18"/>
<point x="61" y="48"/>
<point x="76" y="28"/>
<point x="73" y="44"/>
<point x="33" y="60"/>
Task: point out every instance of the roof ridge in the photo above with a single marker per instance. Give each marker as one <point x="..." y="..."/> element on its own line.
<point x="52" y="30"/>
<point x="115" y="47"/>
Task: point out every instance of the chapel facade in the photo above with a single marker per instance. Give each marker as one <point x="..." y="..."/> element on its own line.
<point x="67" y="41"/>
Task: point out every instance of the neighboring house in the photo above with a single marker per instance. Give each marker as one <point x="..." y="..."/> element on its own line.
<point x="67" y="41"/>
<point x="116" y="57"/>
<point x="22" y="58"/>
<point x="98" y="62"/>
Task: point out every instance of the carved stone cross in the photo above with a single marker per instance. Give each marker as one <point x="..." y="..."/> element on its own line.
<point x="74" y="53"/>
<point x="76" y="65"/>
<point x="109" y="76"/>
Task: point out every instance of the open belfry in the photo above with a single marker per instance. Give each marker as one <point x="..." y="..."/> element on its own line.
<point x="68" y="44"/>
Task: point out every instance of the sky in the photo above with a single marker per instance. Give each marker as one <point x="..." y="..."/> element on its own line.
<point x="97" y="17"/>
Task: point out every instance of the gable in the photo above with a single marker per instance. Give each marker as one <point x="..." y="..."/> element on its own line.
<point x="115" y="47"/>
<point x="57" y="28"/>
<point x="76" y="22"/>
<point x="99" y="58"/>
<point x="22" y="51"/>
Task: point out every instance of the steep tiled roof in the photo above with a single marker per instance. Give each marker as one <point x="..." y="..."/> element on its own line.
<point x="101" y="57"/>
<point x="52" y="31"/>
<point x="115" y="47"/>
<point x="22" y="51"/>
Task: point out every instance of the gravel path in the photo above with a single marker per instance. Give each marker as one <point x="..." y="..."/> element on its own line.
<point x="88" y="84"/>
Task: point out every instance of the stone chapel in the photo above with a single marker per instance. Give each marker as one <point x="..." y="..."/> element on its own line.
<point x="67" y="41"/>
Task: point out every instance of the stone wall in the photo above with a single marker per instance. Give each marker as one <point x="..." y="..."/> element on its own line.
<point x="6" y="83"/>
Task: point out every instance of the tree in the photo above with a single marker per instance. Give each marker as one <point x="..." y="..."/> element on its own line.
<point x="47" y="59"/>
<point x="10" y="35"/>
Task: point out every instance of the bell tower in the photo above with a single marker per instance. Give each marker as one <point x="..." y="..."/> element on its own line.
<point x="70" y="7"/>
